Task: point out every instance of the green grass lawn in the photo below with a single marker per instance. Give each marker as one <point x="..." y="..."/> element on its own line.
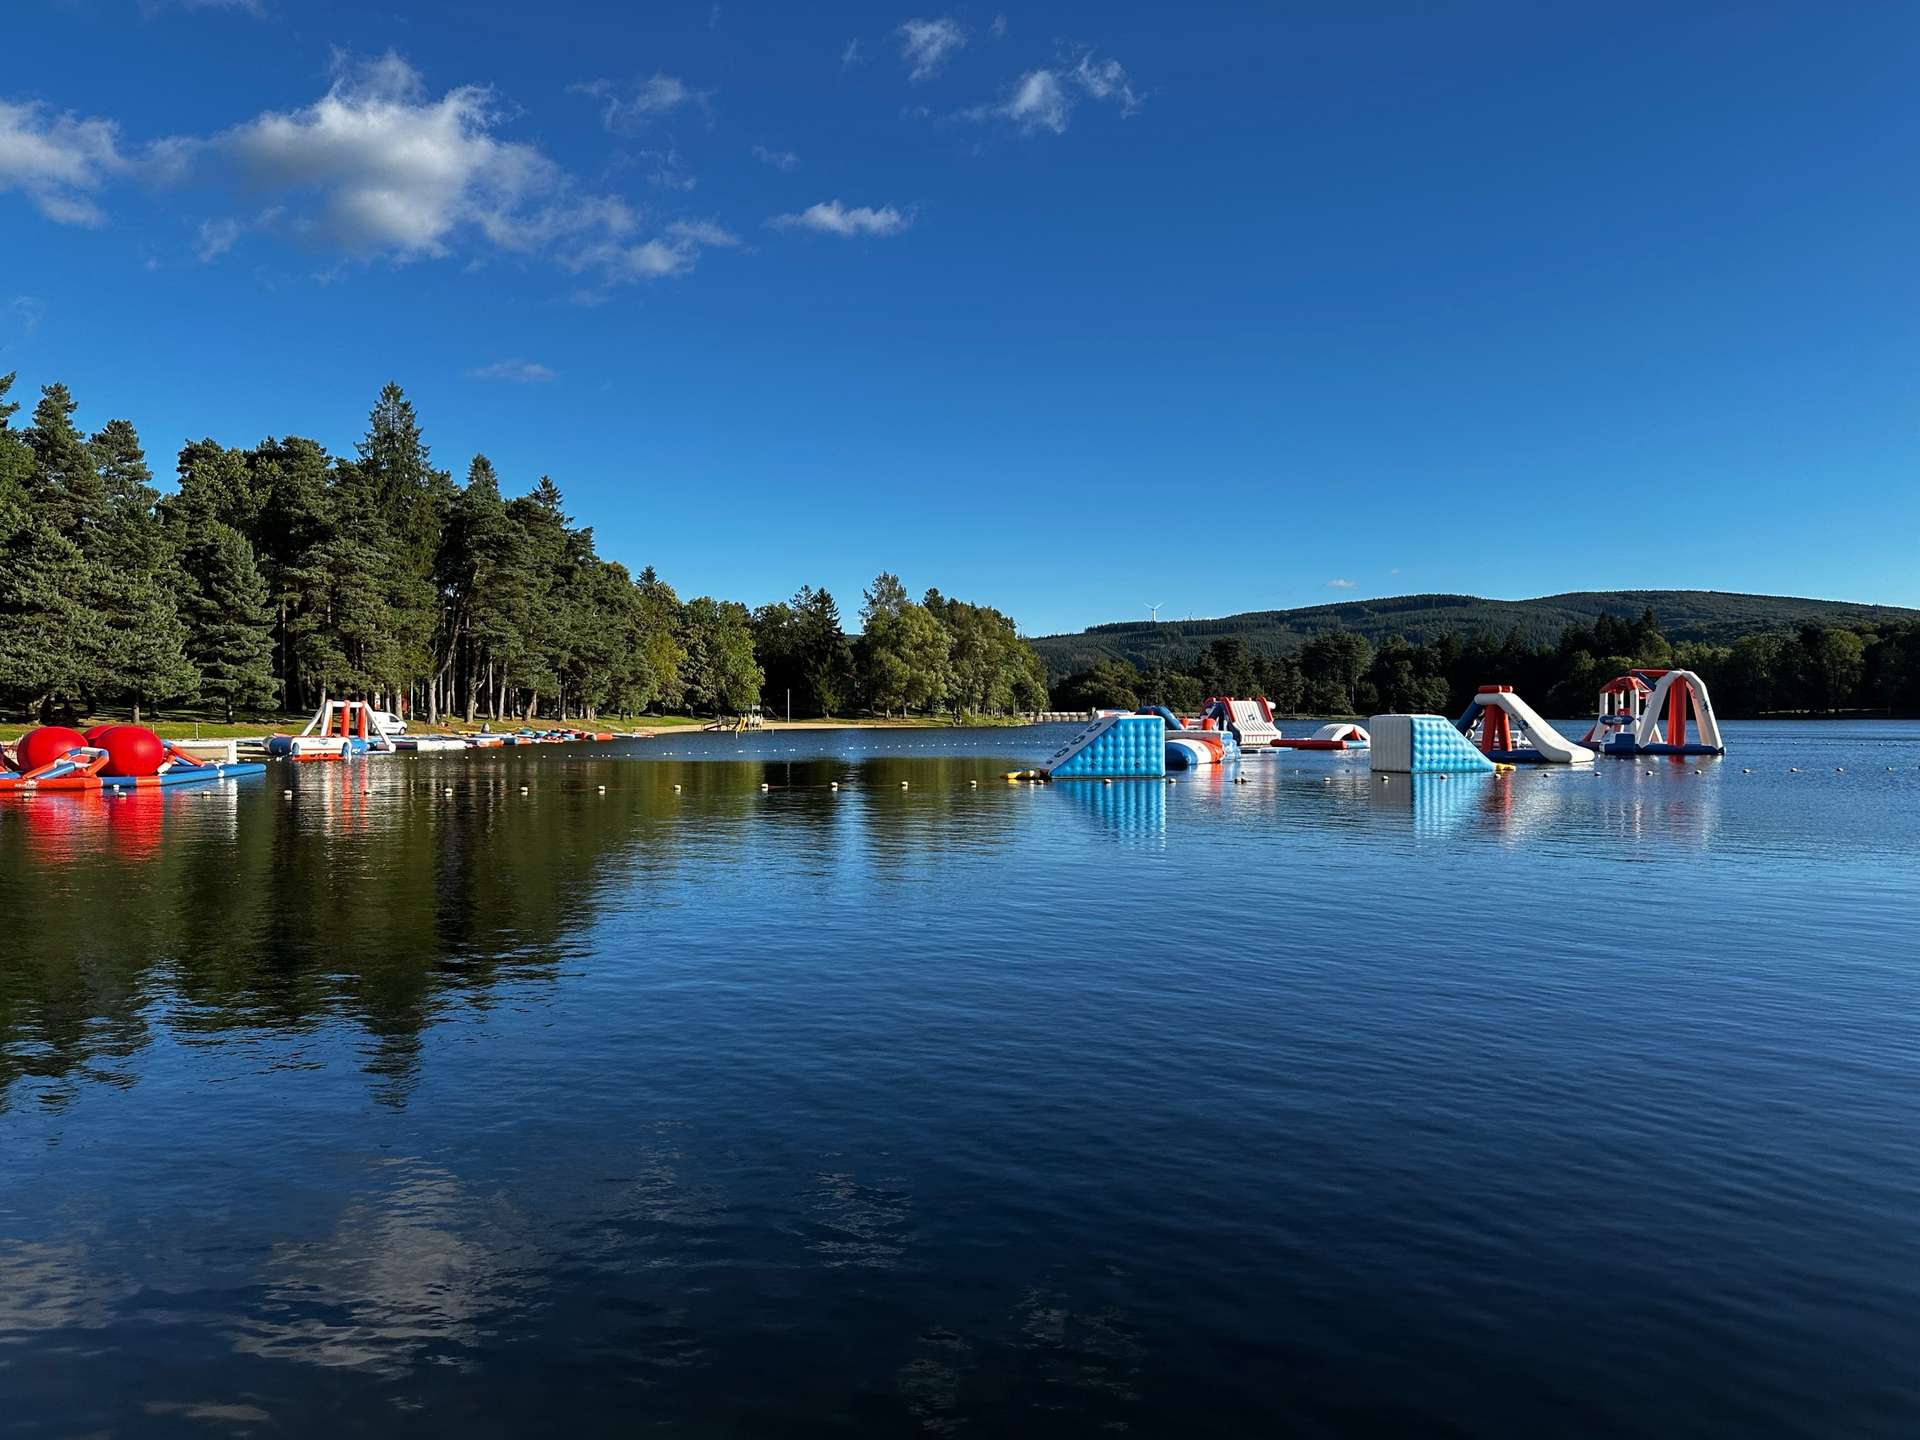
<point x="188" y="726"/>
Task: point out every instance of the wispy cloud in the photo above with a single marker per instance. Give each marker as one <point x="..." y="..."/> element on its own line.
<point x="778" y="159"/>
<point x="925" y="46"/>
<point x="217" y="237"/>
<point x="663" y="168"/>
<point x="518" y="372"/>
<point x="1106" y="80"/>
<point x="851" y="56"/>
<point x="255" y="8"/>
<point x="998" y="28"/>
<point x="703" y="232"/>
<point x="631" y="110"/>
<point x="59" y="161"/>
<point x="1037" y="101"/>
<point x="1340" y="584"/>
<point x="20" y="317"/>
<point x="830" y="217"/>
<point x="1044" y="99"/>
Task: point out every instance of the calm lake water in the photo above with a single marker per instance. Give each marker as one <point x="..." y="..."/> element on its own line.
<point x="1558" y="1103"/>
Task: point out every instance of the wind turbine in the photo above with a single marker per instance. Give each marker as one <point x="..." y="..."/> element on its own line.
<point x="1155" y="609"/>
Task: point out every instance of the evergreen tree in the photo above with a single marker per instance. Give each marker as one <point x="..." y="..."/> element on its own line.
<point x="230" y="619"/>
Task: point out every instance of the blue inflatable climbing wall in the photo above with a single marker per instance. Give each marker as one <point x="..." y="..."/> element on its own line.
<point x="1423" y="745"/>
<point x="1114" y="747"/>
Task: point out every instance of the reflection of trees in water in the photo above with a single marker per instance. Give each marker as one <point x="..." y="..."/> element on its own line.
<point x="372" y="896"/>
<point x="242" y="910"/>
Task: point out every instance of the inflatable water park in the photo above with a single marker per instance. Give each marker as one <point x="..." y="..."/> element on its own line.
<point x="1150" y="742"/>
<point x="1509" y="731"/>
<point x="105" y="758"/>
<point x="345" y="729"/>
<point x="1646" y="712"/>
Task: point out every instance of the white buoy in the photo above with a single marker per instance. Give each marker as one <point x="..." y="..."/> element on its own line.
<point x="903" y="784"/>
<point x="973" y="784"/>
<point x="1106" y="782"/>
<point x="763" y="785"/>
<point x="287" y="794"/>
<point x="523" y="789"/>
<point x="603" y="789"/>
<point x="447" y="791"/>
<point x="834" y="786"/>
<point x="676" y="789"/>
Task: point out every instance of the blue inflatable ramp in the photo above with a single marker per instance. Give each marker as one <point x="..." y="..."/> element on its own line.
<point x="1423" y="745"/>
<point x="1114" y="747"/>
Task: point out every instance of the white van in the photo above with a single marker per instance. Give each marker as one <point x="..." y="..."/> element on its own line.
<point x="393" y="723"/>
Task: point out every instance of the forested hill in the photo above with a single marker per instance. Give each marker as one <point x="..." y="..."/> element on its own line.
<point x="1709" y="616"/>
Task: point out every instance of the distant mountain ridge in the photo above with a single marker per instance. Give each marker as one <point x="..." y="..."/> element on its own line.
<point x="1715" y="616"/>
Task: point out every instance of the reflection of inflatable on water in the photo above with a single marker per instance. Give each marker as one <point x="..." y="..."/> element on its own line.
<point x="1437" y="803"/>
<point x="107" y="757"/>
<point x="1130" y="812"/>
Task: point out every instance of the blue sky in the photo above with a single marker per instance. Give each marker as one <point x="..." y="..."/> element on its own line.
<point x="1063" y="308"/>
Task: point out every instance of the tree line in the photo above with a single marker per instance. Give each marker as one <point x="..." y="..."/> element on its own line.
<point x="278" y="575"/>
<point x="1814" y="669"/>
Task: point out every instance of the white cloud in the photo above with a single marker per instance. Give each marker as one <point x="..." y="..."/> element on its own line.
<point x="378" y="167"/>
<point x="20" y="317"/>
<point x="778" y="159"/>
<point x="998" y="28"/>
<point x="1340" y="584"/>
<point x="1044" y="99"/>
<point x="664" y="169"/>
<point x="217" y="237"/>
<point x="1106" y="80"/>
<point x="925" y="46"/>
<point x="832" y="218"/>
<point x="59" y="162"/>
<point x="1038" y="102"/>
<point x="520" y="372"/>
<point x="648" y="101"/>
<point x="672" y="254"/>
<point x="850" y="56"/>
<point x="703" y="232"/>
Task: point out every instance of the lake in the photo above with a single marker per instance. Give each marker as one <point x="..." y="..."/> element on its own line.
<point x="1549" y="1103"/>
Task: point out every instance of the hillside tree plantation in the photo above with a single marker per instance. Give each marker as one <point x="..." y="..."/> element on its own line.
<point x="1814" y="669"/>
<point x="274" y="576"/>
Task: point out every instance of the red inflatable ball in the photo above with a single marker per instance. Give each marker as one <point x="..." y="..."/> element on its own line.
<point x="46" y="745"/>
<point x="132" y="750"/>
<point x="94" y="732"/>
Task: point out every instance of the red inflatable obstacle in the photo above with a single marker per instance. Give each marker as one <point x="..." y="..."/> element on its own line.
<point x="107" y="757"/>
<point x="38" y="748"/>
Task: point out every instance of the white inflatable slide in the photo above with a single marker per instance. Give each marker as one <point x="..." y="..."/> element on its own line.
<point x="1534" y="734"/>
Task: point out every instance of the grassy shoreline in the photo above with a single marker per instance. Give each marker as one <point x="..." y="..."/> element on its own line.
<point x="644" y="727"/>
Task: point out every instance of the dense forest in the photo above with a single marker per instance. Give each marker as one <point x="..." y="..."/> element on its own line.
<point x="1713" y="616"/>
<point x="1814" y="669"/>
<point x="274" y="576"/>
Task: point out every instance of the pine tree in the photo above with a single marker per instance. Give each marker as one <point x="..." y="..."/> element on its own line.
<point x="230" y="619"/>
